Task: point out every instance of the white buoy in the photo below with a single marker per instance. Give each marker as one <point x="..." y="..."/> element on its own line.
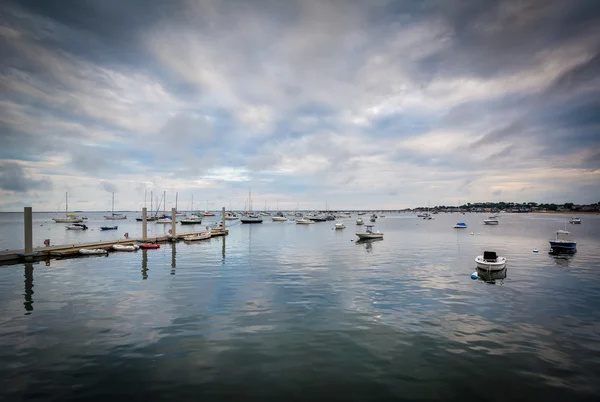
<point x="474" y="275"/>
<point x="471" y="233"/>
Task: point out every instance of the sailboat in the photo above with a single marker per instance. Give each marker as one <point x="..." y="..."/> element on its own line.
<point x="165" y="218"/>
<point x="251" y="218"/>
<point x="113" y="216"/>
<point x="148" y="217"/>
<point x="191" y="219"/>
<point x="206" y="213"/>
<point x="177" y="213"/>
<point x="69" y="218"/>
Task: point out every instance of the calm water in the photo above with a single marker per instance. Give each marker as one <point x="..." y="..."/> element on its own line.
<point x="288" y="312"/>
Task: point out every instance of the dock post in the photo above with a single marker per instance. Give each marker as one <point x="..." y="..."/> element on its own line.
<point x="173" y="224"/>
<point x="144" y="224"/>
<point x="223" y="218"/>
<point x="28" y="222"/>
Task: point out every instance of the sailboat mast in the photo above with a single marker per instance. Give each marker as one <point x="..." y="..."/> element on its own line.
<point x="249" y="199"/>
<point x="176" y="195"/>
<point x="151" y="196"/>
<point x="113" y="203"/>
<point x="66" y="202"/>
<point x="192" y="203"/>
<point x="165" y="202"/>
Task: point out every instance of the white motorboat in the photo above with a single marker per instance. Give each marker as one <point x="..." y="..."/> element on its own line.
<point x="199" y="236"/>
<point x="165" y="220"/>
<point x="304" y="221"/>
<point x="190" y="220"/>
<point x="92" y="251"/>
<point x="339" y="226"/>
<point x="230" y="216"/>
<point x="123" y="247"/>
<point x="489" y="261"/>
<point x="344" y="216"/>
<point x="360" y="221"/>
<point x="369" y="233"/>
<point x="373" y="218"/>
<point x="575" y="220"/>
<point x="491" y="221"/>
<point x="77" y="226"/>
<point x="279" y="217"/>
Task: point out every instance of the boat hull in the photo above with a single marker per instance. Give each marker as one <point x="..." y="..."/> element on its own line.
<point x="93" y="251"/>
<point x="279" y="219"/>
<point x="490" y="222"/>
<point x="251" y="220"/>
<point x="148" y="246"/>
<point x="121" y="247"/>
<point x="205" y="236"/>
<point x="364" y="236"/>
<point x="498" y="265"/>
<point x="67" y="220"/>
<point x="563" y="246"/>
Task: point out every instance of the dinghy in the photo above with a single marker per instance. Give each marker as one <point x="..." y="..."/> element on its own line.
<point x="76" y="226"/>
<point x="122" y="247"/>
<point x="92" y="251"/>
<point x="109" y="227"/>
<point x="199" y="236"/>
<point x="149" y="245"/>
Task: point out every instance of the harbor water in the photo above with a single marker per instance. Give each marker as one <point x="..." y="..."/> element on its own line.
<point x="280" y="311"/>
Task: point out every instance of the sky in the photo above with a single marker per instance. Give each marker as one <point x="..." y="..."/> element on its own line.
<point x="346" y="104"/>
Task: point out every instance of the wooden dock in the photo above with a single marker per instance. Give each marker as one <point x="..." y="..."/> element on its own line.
<point x="71" y="250"/>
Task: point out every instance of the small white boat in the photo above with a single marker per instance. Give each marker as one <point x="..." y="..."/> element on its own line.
<point x="123" y="247"/>
<point x="575" y="220"/>
<point x="77" y="226"/>
<point x="339" y="226"/>
<point x="230" y="216"/>
<point x="304" y="221"/>
<point x="369" y="233"/>
<point x="491" y="221"/>
<point x="199" y="236"/>
<point x="166" y="221"/>
<point x="460" y="225"/>
<point x="489" y="261"/>
<point x="344" y="216"/>
<point x="279" y="217"/>
<point x="92" y="251"/>
<point x="360" y="221"/>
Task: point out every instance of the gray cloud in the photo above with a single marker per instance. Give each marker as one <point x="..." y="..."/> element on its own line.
<point x="108" y="186"/>
<point x="13" y="178"/>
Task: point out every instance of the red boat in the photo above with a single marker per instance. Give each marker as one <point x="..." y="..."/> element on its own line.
<point x="149" y="245"/>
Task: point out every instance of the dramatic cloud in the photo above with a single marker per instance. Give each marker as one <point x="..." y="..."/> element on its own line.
<point x="310" y="101"/>
<point x="13" y="178"/>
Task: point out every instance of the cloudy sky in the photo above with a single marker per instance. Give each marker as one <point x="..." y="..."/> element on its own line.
<point x="358" y="104"/>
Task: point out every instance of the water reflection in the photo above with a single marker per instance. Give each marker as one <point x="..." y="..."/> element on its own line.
<point x="562" y="259"/>
<point x="368" y="243"/>
<point x="144" y="264"/>
<point x="28" y="288"/>
<point x="492" y="276"/>
<point x="223" y="248"/>
<point x="173" y="257"/>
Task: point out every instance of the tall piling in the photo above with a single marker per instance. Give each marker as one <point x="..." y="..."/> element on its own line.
<point x="173" y="223"/>
<point x="144" y="224"/>
<point x="28" y="230"/>
<point x="223" y="217"/>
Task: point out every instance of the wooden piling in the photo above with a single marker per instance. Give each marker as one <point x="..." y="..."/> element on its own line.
<point x="173" y="223"/>
<point x="144" y="224"/>
<point x="28" y="230"/>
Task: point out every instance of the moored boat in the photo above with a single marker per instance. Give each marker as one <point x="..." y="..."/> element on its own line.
<point x="109" y="227"/>
<point x="123" y="247"/>
<point x="491" y="221"/>
<point x="575" y="220"/>
<point x="460" y="225"/>
<point x="191" y="220"/>
<point x="562" y="244"/>
<point x="149" y="245"/>
<point x="77" y="226"/>
<point x="92" y="251"/>
<point x="360" y="221"/>
<point x="489" y="261"/>
<point x="304" y="221"/>
<point x="339" y="226"/>
<point x="198" y="236"/>
<point x="369" y="233"/>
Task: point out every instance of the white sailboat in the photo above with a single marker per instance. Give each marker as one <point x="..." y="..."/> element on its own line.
<point x="113" y="216"/>
<point x="164" y="219"/>
<point x="251" y="218"/>
<point x="69" y="218"/>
